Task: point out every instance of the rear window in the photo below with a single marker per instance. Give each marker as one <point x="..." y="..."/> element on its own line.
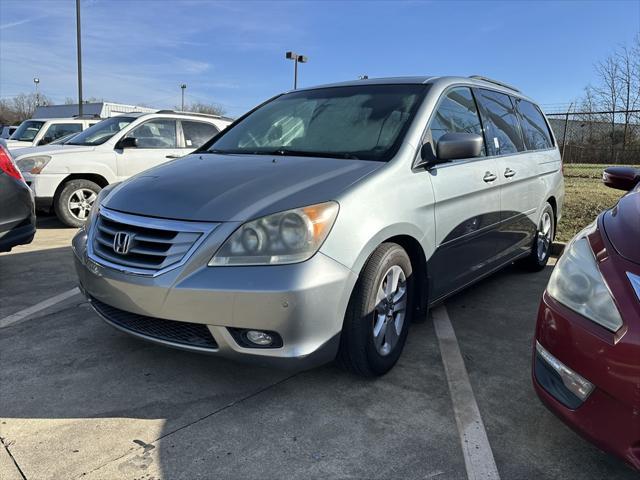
<point x="534" y="128"/>
<point x="197" y="133"/>
<point x="501" y="123"/>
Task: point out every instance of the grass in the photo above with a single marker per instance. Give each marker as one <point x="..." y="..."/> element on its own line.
<point x="585" y="197"/>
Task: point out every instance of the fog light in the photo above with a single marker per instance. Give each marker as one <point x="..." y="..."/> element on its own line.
<point x="577" y="384"/>
<point x="259" y="338"/>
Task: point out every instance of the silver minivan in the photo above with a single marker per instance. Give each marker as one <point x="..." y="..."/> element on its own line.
<point x="324" y="221"/>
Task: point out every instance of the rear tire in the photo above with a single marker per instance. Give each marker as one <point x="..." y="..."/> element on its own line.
<point x="73" y="204"/>
<point x="541" y="248"/>
<point x="380" y="311"/>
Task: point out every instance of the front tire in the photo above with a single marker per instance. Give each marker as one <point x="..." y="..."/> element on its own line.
<point x="73" y="204"/>
<point x="541" y="248"/>
<point x="379" y="313"/>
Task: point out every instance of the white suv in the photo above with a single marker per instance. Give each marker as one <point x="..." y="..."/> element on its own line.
<point x="41" y="131"/>
<point x="68" y="177"/>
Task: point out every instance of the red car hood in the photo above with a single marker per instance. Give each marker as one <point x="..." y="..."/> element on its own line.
<point x="622" y="226"/>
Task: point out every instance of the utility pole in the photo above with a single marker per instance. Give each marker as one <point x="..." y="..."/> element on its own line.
<point x="182" y="87"/>
<point x="78" y="41"/>
<point x="296" y="58"/>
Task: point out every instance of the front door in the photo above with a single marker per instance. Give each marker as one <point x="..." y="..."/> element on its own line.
<point x="467" y="201"/>
<point x="157" y="142"/>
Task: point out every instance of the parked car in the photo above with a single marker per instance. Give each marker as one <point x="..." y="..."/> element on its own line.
<point x="17" y="211"/>
<point x="325" y="220"/>
<point x="68" y="177"/>
<point x="37" y="132"/>
<point x="7" y="131"/>
<point x="586" y="363"/>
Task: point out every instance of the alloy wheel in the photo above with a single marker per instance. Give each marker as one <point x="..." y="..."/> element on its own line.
<point x="390" y="309"/>
<point x="80" y="203"/>
<point x="545" y="236"/>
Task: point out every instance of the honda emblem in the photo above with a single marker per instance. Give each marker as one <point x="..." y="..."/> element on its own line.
<point x="121" y="243"/>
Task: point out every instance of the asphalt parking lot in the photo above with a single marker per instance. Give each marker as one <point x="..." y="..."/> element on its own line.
<point x="81" y="400"/>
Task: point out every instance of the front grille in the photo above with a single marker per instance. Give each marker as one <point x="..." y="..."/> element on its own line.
<point x="152" y="244"/>
<point x="180" y="333"/>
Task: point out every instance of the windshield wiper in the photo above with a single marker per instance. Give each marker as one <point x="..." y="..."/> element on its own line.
<point x="219" y="152"/>
<point x="307" y="153"/>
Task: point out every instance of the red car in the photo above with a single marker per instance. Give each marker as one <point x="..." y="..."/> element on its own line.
<point x="586" y="360"/>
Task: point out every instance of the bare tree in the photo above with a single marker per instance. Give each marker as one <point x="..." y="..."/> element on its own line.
<point x="21" y="107"/>
<point x="608" y="91"/>
<point x="208" y="108"/>
<point x="629" y="89"/>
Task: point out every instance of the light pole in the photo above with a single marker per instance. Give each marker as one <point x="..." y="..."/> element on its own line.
<point x="182" y="87"/>
<point x="36" y="81"/>
<point x="78" y="41"/>
<point x="296" y="58"/>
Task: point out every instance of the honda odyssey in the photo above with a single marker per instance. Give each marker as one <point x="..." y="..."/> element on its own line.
<point x="321" y="223"/>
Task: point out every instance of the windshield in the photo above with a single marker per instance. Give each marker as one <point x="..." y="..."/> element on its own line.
<point x="64" y="139"/>
<point x="361" y="122"/>
<point x="27" y="131"/>
<point x="101" y="131"/>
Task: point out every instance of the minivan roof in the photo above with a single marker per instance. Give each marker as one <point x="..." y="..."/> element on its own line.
<point x="479" y="81"/>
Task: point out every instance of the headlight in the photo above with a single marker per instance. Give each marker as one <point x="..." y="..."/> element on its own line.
<point x="286" y="237"/>
<point x="577" y="283"/>
<point x="33" y="165"/>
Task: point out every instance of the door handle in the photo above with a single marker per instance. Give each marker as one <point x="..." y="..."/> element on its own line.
<point x="508" y="173"/>
<point x="489" y="177"/>
<point x="173" y="156"/>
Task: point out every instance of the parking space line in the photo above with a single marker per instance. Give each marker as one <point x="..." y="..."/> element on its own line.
<point x="27" y="312"/>
<point x="478" y="457"/>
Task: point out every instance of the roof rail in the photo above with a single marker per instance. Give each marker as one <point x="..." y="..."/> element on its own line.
<point x="197" y="114"/>
<point x="87" y="115"/>
<point x="495" y="82"/>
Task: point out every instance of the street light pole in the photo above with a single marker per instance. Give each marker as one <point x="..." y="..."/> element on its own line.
<point x="182" y="87"/>
<point x="78" y="41"/>
<point x="36" y="81"/>
<point x="296" y="58"/>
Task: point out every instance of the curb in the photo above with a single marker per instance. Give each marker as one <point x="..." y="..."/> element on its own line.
<point x="557" y="248"/>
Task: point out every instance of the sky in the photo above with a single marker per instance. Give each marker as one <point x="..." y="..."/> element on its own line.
<point x="233" y="53"/>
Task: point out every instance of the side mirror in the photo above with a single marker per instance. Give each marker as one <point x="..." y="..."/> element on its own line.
<point x="454" y="145"/>
<point x="45" y="140"/>
<point x="127" y="142"/>
<point x="622" y="178"/>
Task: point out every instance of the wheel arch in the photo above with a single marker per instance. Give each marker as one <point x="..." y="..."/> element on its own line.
<point x="410" y="243"/>
<point x="92" y="177"/>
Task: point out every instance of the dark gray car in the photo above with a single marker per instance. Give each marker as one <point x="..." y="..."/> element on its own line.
<point x="17" y="214"/>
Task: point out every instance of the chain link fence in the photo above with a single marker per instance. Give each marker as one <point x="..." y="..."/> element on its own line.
<point x="591" y="141"/>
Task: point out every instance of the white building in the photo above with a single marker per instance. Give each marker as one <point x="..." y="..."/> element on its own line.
<point x="99" y="109"/>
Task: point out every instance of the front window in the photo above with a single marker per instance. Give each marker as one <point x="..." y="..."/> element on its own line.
<point x="362" y="122"/>
<point x="27" y="131"/>
<point x="159" y="133"/>
<point x="101" y="132"/>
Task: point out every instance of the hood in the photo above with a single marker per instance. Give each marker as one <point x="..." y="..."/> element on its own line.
<point x="50" y="150"/>
<point x="17" y="144"/>
<point x="218" y="188"/>
<point x="622" y="226"/>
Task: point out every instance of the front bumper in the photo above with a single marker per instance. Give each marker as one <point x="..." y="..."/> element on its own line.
<point x="44" y="186"/>
<point x="610" y="416"/>
<point x="303" y="303"/>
